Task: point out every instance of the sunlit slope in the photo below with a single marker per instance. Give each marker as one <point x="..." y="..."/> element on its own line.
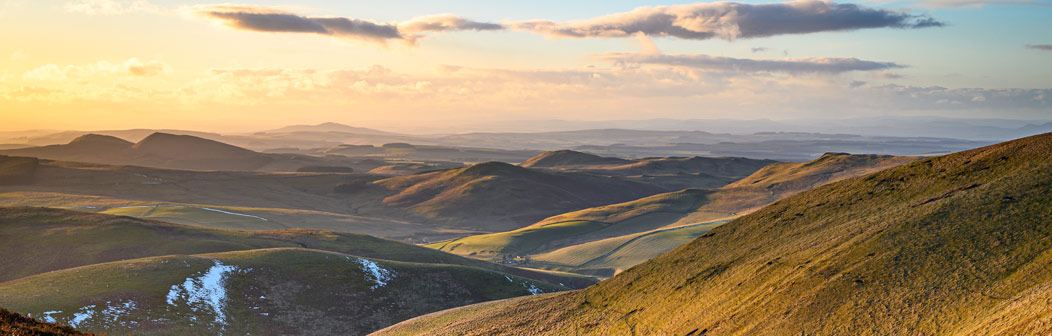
<point x="953" y="245"/>
<point x="270" y="291"/>
<point x="671" y="173"/>
<point x="581" y="240"/>
<point x="41" y="240"/>
<point x="12" y="323"/>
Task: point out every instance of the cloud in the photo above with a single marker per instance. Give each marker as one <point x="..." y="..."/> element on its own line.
<point x="731" y="20"/>
<point x="18" y="55"/>
<point x="113" y="7"/>
<point x="1047" y="47"/>
<point x="760" y="50"/>
<point x="275" y="20"/>
<point x="788" y="65"/>
<point x="133" y="67"/>
<point x="980" y="3"/>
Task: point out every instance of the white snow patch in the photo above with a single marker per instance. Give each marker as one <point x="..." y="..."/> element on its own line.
<point x="376" y="273"/>
<point x="84" y="314"/>
<point x="532" y="288"/>
<point x="48" y="318"/>
<point x="113" y="312"/>
<point x="208" y="290"/>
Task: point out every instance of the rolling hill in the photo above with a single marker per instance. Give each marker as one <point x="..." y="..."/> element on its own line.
<point x="604" y="239"/>
<point x="671" y="173"/>
<point x="165" y="150"/>
<point x="120" y="275"/>
<point x="53" y="239"/>
<point x="952" y="245"/>
<point x="495" y="196"/>
<point x="287" y="291"/>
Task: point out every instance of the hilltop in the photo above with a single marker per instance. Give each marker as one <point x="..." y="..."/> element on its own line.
<point x="953" y="245"/>
<point x="569" y="158"/>
<point x="172" y="151"/>
<point x="603" y="239"/>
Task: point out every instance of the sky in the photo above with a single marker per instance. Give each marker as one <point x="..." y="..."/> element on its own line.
<point x="252" y="65"/>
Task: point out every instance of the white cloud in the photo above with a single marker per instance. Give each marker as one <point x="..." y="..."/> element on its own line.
<point x="113" y="7"/>
<point x="131" y="67"/>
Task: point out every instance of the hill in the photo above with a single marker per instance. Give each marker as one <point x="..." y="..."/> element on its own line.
<point x="52" y="239"/>
<point x="495" y="196"/>
<point x="671" y="173"/>
<point x="328" y="127"/>
<point x="569" y="158"/>
<point x="952" y="245"/>
<point x="12" y="323"/>
<point x="165" y="150"/>
<point x="604" y="239"/>
<point x="288" y="291"/>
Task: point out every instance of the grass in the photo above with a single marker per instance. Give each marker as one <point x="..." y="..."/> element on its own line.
<point x="268" y="291"/>
<point x="589" y="241"/>
<point x="16" y="324"/>
<point x="952" y="245"/>
<point x="53" y="239"/>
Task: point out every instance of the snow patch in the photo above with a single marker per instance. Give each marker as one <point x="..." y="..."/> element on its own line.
<point x="509" y="278"/>
<point x="48" y="318"/>
<point x="114" y="312"/>
<point x="84" y="314"/>
<point x="207" y="290"/>
<point x="532" y="288"/>
<point x="376" y="273"/>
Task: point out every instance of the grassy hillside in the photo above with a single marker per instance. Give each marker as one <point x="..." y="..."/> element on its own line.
<point x="953" y="245"/>
<point x="591" y="240"/>
<point x="671" y="173"/>
<point x="51" y="239"/>
<point x="496" y="196"/>
<point x="16" y="324"/>
<point x="270" y="291"/>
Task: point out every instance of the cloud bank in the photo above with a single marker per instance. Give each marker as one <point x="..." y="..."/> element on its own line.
<point x="701" y="21"/>
<point x="731" y="20"/>
<point x="274" y="20"/>
<point x="789" y="65"/>
<point x="1047" y="47"/>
